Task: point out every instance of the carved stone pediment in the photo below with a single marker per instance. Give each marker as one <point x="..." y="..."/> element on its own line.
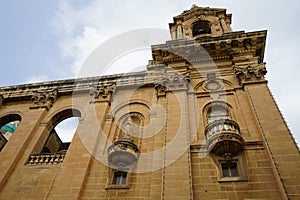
<point x="250" y="73"/>
<point x="102" y="93"/>
<point x="44" y="99"/>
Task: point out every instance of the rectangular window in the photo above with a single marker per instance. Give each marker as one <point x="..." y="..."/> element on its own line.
<point x="229" y="170"/>
<point x="120" y="178"/>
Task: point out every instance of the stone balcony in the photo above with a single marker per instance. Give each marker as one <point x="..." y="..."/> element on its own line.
<point x="122" y="154"/>
<point x="223" y="137"/>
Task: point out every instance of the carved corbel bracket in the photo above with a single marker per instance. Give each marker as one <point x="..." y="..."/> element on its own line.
<point x="250" y="73"/>
<point x="44" y="99"/>
<point x="160" y="89"/>
<point x="102" y="93"/>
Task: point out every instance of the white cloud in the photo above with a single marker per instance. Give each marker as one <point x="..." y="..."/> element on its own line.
<point x="36" y="78"/>
<point x="82" y="46"/>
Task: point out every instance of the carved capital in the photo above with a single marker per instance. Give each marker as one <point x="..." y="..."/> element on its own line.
<point x="250" y="73"/>
<point x="44" y="99"/>
<point x="102" y="93"/>
<point x="172" y="82"/>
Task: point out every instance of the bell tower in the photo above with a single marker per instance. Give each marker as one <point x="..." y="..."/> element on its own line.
<point x="200" y="22"/>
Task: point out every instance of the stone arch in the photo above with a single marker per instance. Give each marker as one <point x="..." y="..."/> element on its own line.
<point x="9" y="118"/>
<point x="201" y="27"/>
<point x="133" y="121"/>
<point x="8" y="124"/>
<point x="53" y="143"/>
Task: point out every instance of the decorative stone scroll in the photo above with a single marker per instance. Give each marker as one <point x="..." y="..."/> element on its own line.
<point x="44" y="99"/>
<point x="102" y="93"/>
<point x="250" y="73"/>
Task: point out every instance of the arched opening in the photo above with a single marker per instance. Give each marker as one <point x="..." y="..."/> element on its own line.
<point x="201" y="27"/>
<point x="8" y="125"/>
<point x="217" y="112"/>
<point x="64" y="125"/>
<point x="130" y="127"/>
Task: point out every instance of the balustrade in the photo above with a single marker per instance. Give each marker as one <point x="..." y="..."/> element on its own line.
<point x="223" y="136"/>
<point x="46" y="159"/>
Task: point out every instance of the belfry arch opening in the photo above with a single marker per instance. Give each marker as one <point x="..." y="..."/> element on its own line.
<point x="64" y="125"/>
<point x="201" y="27"/>
<point x="8" y="126"/>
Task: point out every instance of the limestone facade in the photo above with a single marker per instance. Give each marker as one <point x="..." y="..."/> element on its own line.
<point x="199" y="123"/>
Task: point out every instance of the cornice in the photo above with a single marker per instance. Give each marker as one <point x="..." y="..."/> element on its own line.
<point x="210" y="48"/>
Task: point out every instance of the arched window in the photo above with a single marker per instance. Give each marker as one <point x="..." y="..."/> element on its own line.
<point x="201" y="27"/>
<point x="8" y="125"/>
<point x="130" y="127"/>
<point x="217" y="111"/>
<point x="64" y="125"/>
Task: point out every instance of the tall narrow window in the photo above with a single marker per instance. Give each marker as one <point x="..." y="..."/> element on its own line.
<point x="119" y="178"/>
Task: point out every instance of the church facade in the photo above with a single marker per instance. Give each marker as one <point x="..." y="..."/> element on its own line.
<point x="199" y="123"/>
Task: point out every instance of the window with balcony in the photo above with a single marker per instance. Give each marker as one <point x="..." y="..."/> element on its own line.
<point x="129" y="128"/>
<point x="217" y="112"/>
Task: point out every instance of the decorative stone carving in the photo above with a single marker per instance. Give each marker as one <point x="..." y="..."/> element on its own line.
<point x="250" y="73"/>
<point x="160" y="89"/>
<point x="102" y="93"/>
<point x="212" y="84"/>
<point x="44" y="99"/>
<point x="173" y="82"/>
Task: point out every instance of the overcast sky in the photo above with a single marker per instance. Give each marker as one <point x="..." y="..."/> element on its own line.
<point x="50" y="39"/>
